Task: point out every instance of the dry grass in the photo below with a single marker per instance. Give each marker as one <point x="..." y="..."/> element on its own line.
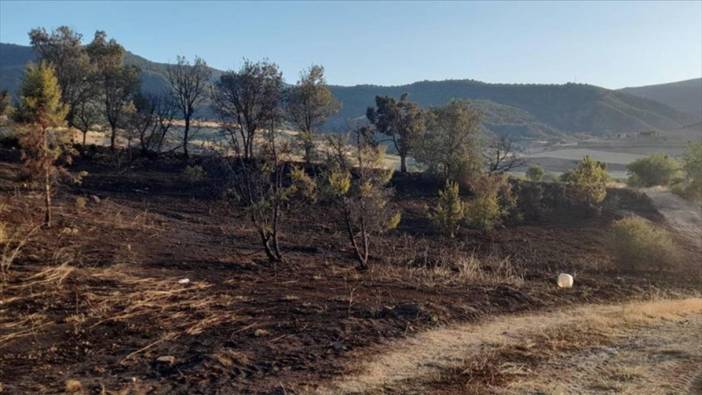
<point x="454" y="269"/>
<point x="114" y="295"/>
<point x="411" y="363"/>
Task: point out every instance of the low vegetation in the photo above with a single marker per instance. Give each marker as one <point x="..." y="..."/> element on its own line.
<point x="653" y="170"/>
<point x="638" y="244"/>
<point x="587" y="183"/>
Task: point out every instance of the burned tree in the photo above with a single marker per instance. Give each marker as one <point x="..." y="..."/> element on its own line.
<point x="356" y="185"/>
<point x="245" y="100"/>
<point x="261" y="187"/>
<point x="500" y="156"/>
<point x="189" y="85"/>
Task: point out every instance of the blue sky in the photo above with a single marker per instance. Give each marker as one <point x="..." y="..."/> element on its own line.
<point x="611" y="44"/>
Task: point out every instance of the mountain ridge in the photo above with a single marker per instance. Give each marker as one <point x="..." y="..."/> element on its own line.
<point x="520" y="110"/>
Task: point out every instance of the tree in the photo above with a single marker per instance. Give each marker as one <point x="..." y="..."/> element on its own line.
<point x="262" y="190"/>
<point x="492" y="201"/>
<point x="449" y="210"/>
<point x="86" y="115"/>
<point x="62" y="48"/>
<point x="360" y="194"/>
<point x="587" y="183"/>
<point x="117" y="83"/>
<point x="402" y="121"/>
<point x="450" y="146"/>
<point x="189" y="86"/>
<point x="40" y="110"/>
<point x="535" y="173"/>
<point x="248" y="99"/>
<point x="5" y="103"/>
<point x="657" y="169"/>
<point x="309" y="103"/>
<point x="500" y="156"/>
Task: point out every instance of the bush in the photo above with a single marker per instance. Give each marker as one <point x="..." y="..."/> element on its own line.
<point x="535" y="173"/>
<point x="449" y="210"/>
<point x="653" y="170"/>
<point x="194" y="173"/>
<point x="638" y="245"/>
<point x="492" y="202"/>
<point x="587" y="183"/>
<point x="81" y="203"/>
<point x="691" y="188"/>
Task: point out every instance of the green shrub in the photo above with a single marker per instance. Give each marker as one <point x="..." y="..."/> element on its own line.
<point x="587" y="183"/>
<point x="535" y="173"/>
<point x="492" y="202"/>
<point x="449" y="210"/>
<point x="692" y="164"/>
<point x="653" y="170"/>
<point x="194" y="173"/>
<point x="637" y="244"/>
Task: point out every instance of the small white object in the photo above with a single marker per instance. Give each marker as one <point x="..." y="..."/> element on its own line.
<point x="565" y="280"/>
<point x="184" y="281"/>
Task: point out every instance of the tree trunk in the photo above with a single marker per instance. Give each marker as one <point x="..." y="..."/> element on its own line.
<point x="403" y="163"/>
<point x="185" y="137"/>
<point x="113" y="135"/>
<point x="47" y="183"/>
<point x="84" y="136"/>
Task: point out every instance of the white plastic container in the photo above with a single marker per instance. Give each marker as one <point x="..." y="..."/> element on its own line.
<point x="565" y="280"/>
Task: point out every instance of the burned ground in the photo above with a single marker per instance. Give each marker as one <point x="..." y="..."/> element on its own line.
<point x="101" y="297"/>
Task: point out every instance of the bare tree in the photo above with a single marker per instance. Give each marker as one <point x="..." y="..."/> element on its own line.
<point x="500" y="156"/>
<point x="117" y="83"/>
<point x="85" y="116"/>
<point x="259" y="187"/>
<point x="246" y="100"/>
<point x="360" y="193"/>
<point x="309" y="103"/>
<point x="190" y="85"/>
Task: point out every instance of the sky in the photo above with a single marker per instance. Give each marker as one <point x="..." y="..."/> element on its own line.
<point x="610" y="44"/>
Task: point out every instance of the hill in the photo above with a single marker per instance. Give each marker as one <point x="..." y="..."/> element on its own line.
<point x="684" y="96"/>
<point x="532" y="110"/>
<point x="520" y="110"/>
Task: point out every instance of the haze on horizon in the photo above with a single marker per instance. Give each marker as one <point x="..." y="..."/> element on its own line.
<point x="610" y="44"/>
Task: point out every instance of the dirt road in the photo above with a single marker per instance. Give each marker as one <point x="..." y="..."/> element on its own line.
<point x="646" y="347"/>
<point x="683" y="216"/>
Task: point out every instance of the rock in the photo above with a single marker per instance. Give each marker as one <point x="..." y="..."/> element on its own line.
<point x="95" y="199"/>
<point x="565" y="280"/>
<point x="184" y="281"/>
<point x="167" y="359"/>
<point x="261" y="333"/>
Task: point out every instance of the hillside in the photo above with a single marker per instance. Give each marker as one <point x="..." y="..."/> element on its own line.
<point x="543" y="109"/>
<point x="520" y="110"/>
<point x="685" y="96"/>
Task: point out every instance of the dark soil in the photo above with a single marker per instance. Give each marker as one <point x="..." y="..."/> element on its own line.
<point x="262" y="328"/>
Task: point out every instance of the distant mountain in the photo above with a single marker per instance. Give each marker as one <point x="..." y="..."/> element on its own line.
<point x="13" y="59"/>
<point x="519" y="110"/>
<point x="685" y="96"/>
<point x="530" y="110"/>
